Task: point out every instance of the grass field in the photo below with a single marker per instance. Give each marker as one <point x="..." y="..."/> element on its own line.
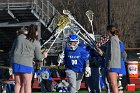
<point x="87" y="92"/>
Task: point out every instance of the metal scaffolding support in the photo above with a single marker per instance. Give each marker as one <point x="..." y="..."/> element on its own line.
<point x="28" y="10"/>
<point x="18" y="13"/>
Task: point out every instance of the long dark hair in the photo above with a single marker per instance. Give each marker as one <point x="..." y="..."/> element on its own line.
<point x="113" y="30"/>
<point x="32" y="29"/>
<point x="22" y="30"/>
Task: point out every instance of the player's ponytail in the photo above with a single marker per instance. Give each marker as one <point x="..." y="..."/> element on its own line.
<point x="113" y="30"/>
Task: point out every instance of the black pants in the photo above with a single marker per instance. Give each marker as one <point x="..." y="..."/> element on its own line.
<point x="46" y="86"/>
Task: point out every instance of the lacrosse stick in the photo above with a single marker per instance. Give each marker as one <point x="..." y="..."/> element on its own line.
<point x="91" y="40"/>
<point x="86" y="38"/>
<point x="66" y="12"/>
<point x="60" y="26"/>
<point x="90" y="14"/>
<point x="71" y="28"/>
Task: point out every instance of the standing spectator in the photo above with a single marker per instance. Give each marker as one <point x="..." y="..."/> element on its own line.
<point x="113" y="57"/>
<point x="24" y="49"/>
<point x="104" y="70"/>
<point x="75" y="60"/>
<point x="93" y="81"/>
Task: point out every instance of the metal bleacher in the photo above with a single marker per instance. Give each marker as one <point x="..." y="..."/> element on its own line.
<point x="27" y="11"/>
<point x="17" y="13"/>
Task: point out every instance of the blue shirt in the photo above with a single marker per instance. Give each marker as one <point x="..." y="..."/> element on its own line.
<point x="122" y="48"/>
<point x="44" y="70"/>
<point x="75" y="60"/>
<point x="95" y="59"/>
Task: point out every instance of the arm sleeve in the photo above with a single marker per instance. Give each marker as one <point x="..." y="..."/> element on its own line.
<point x="85" y="55"/>
<point x="87" y="63"/>
<point x="12" y="49"/>
<point x="38" y="54"/>
<point x="115" y="50"/>
<point x="17" y="45"/>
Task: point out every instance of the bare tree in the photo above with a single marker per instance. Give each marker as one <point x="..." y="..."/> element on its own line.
<point x="125" y="15"/>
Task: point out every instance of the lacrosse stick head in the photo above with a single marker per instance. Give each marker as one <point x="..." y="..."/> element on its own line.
<point x="67" y="30"/>
<point x="66" y="12"/>
<point x="90" y="14"/>
<point x="70" y="28"/>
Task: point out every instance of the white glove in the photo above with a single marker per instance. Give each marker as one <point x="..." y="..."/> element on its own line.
<point x="60" y="58"/>
<point x="87" y="72"/>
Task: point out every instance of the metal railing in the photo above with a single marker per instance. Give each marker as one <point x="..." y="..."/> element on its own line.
<point x="14" y="3"/>
<point x="46" y="10"/>
<point x="43" y="9"/>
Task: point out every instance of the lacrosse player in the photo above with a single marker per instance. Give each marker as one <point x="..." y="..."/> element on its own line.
<point x="76" y="63"/>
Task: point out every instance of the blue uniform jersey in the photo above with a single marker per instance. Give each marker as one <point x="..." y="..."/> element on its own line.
<point x="83" y="45"/>
<point x="44" y="70"/>
<point x="75" y="60"/>
<point x="94" y="58"/>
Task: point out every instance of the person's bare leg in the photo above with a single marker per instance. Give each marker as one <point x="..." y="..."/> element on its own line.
<point x="17" y="83"/>
<point x="27" y="82"/>
<point x="113" y="76"/>
<point x="22" y="84"/>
